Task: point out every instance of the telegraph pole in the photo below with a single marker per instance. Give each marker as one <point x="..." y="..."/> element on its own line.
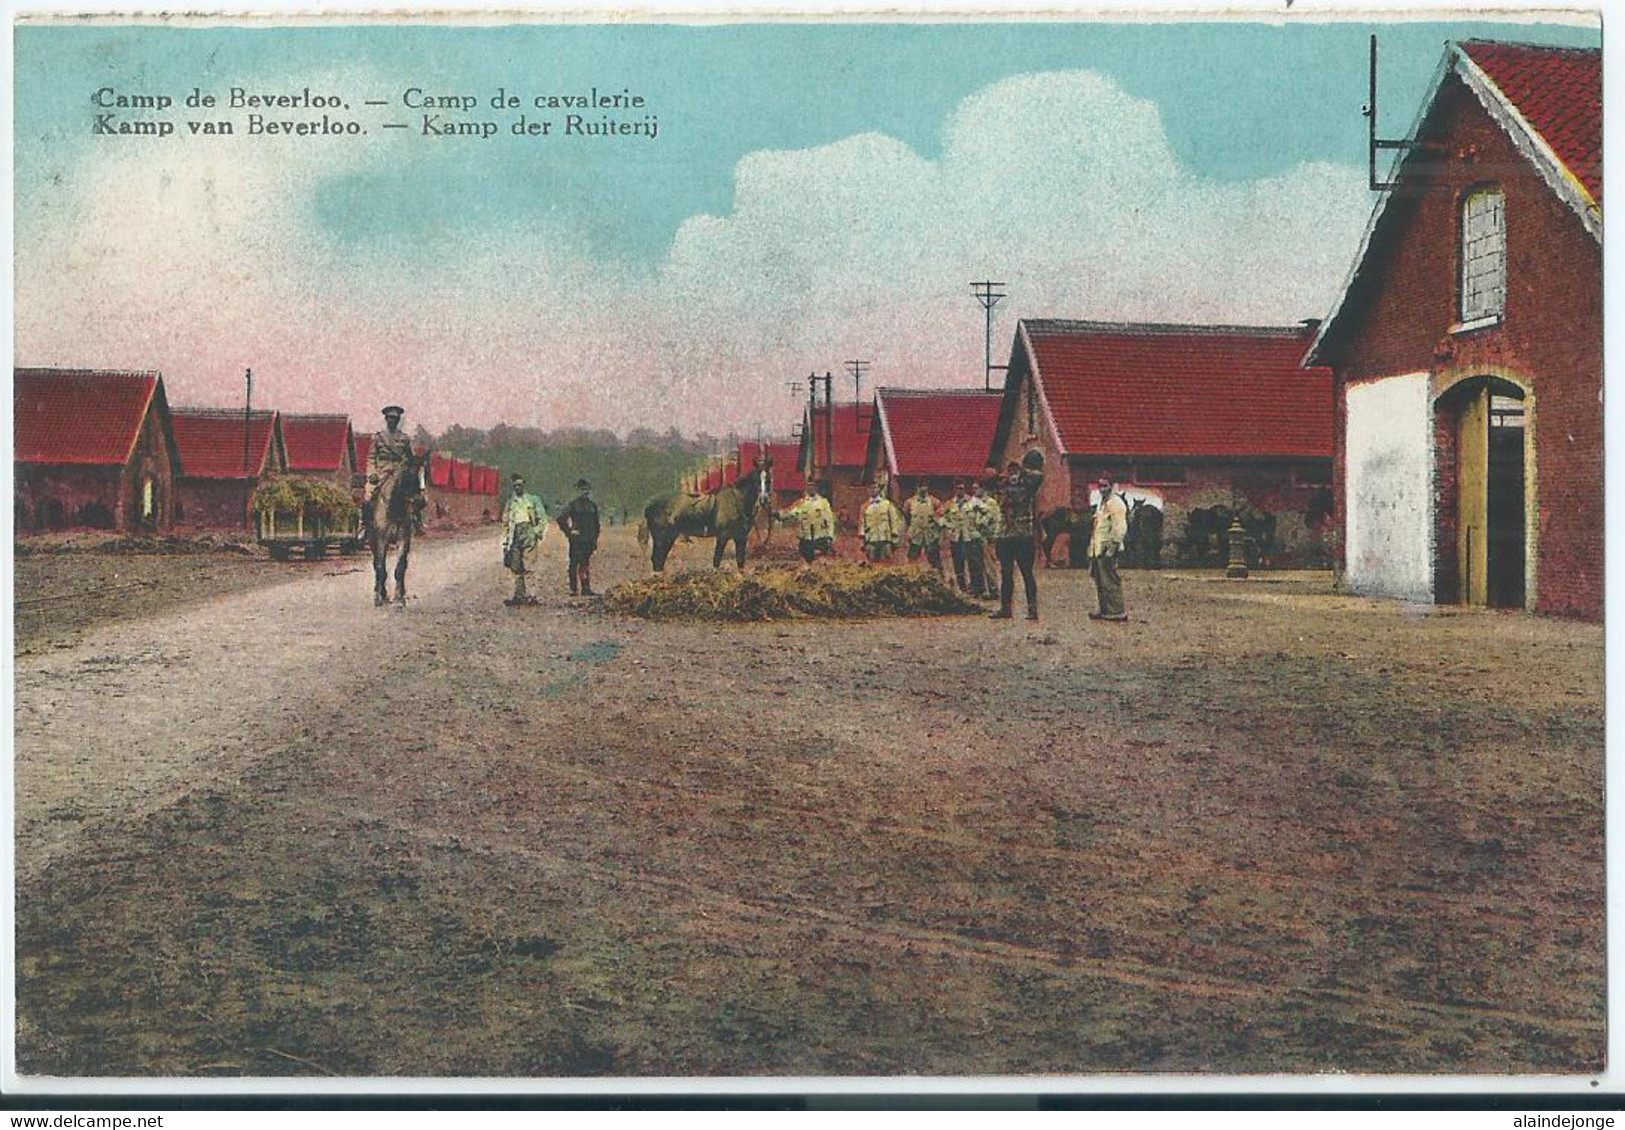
<point x="856" y="370"/>
<point x="988" y="295"/>
<point x="248" y="413"/>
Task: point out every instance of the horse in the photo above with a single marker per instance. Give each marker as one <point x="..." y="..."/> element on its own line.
<point x="1075" y="524"/>
<point x="728" y="514"/>
<point x="389" y="520"/>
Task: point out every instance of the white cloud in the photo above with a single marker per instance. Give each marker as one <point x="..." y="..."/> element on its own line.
<point x="1060" y="184"/>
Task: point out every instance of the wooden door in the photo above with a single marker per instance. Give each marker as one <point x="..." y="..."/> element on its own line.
<point x="1472" y="493"/>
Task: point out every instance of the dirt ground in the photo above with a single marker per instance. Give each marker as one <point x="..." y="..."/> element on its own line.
<point x="1261" y="828"/>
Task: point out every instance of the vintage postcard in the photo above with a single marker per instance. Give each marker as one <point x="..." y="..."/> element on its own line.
<point x="822" y="548"/>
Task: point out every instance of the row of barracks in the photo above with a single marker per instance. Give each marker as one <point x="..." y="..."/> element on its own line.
<point x="1437" y="436"/>
<point x="104" y="449"/>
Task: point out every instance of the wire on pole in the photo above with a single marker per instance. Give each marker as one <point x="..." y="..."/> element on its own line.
<point x="988" y="295"/>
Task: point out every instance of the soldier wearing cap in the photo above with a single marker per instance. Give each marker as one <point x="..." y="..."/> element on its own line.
<point x="815" y="524"/>
<point x="1105" y="543"/>
<point x="391" y="452"/>
<point x="524" y="524"/>
<point x="1018" y="544"/>
<point x="882" y="526"/>
<point x="964" y="521"/>
<point x="579" y="521"/>
<point x="924" y="527"/>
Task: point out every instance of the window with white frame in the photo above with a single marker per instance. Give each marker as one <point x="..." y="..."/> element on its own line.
<point x="1483" y="255"/>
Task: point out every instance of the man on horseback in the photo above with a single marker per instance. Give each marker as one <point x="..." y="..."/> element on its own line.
<point x="391" y="453"/>
<point x="524" y="524"/>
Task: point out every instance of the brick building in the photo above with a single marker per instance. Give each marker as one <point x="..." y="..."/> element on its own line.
<point x="223" y="459"/>
<point x="320" y="446"/>
<point x="839" y="470"/>
<point x="1467" y="346"/>
<point x="1197" y="420"/>
<point x="931" y="435"/>
<point x="92" y="448"/>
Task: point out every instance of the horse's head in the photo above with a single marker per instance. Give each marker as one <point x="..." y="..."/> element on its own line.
<point x="764" y="481"/>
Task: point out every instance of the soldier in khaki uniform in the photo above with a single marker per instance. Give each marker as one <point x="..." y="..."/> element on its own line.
<point x="883" y="526"/>
<point x="524" y="524"/>
<point x="815" y="524"/>
<point x="1105" y="543"/>
<point x="963" y="519"/>
<point x="924" y="527"/>
<point x="992" y="522"/>
<point x="391" y="452"/>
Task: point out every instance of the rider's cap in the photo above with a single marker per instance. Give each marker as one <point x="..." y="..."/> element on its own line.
<point x="583" y="484"/>
<point x="959" y="484"/>
<point x="518" y="478"/>
<point x="394" y="410"/>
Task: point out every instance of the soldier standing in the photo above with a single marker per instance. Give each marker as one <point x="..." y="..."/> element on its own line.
<point x="925" y="528"/>
<point x="992" y="524"/>
<point x="524" y="524"/>
<point x="1017" y="544"/>
<point x="964" y="521"/>
<point x="815" y="522"/>
<point x="1105" y="543"/>
<point x="391" y="454"/>
<point x="579" y="521"/>
<point x="882" y="526"/>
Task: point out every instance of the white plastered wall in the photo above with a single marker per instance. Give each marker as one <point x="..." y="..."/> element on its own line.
<point x="1389" y="488"/>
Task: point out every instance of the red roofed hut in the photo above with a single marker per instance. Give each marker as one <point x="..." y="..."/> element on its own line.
<point x="838" y="468"/>
<point x="92" y="448"/>
<point x="789" y="483"/>
<point x="223" y="458"/>
<point x="320" y="446"/>
<point x="1467" y="346"/>
<point x="933" y="436"/>
<point x="1200" y="420"/>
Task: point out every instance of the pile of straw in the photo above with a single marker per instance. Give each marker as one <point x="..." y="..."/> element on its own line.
<point x="830" y="591"/>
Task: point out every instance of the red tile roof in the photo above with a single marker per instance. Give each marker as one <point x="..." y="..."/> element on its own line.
<point x="81" y="416"/>
<point x="363" y="452"/>
<point x="1558" y="91"/>
<point x="210" y="442"/>
<point x="938" y="431"/>
<point x="786" y="458"/>
<point x="851" y="435"/>
<point x="748" y="452"/>
<point x="1123" y="389"/>
<point x="315" y="441"/>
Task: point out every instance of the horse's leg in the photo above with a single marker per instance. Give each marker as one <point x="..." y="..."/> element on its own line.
<point x="721" y="548"/>
<point x="380" y="570"/>
<point x="739" y="546"/>
<point x="400" y="567"/>
<point x="662" y="549"/>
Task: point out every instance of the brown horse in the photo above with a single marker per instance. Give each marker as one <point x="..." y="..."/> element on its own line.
<point x="389" y="521"/>
<point x="728" y="514"/>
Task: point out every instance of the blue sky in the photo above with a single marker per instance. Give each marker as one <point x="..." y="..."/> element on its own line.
<point x="841" y="112"/>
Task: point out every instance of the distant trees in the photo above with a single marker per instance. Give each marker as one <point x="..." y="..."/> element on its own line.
<point x="625" y="473"/>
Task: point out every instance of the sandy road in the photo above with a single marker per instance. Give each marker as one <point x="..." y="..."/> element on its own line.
<point x="1260" y="828"/>
<point x="138" y="713"/>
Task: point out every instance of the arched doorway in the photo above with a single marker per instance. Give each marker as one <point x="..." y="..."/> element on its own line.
<point x="1482" y="451"/>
